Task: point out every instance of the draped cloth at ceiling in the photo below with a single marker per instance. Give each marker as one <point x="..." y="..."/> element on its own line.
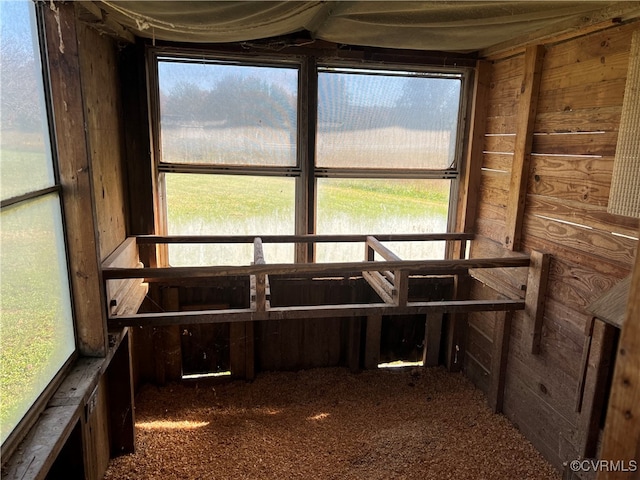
<point x="460" y="26"/>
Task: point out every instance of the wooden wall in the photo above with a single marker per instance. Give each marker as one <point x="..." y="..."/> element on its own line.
<point x="101" y="94"/>
<point x="567" y="187"/>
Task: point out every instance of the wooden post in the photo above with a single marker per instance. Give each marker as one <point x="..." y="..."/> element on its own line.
<point x="75" y="178"/>
<point x="433" y="333"/>
<point x="537" y="280"/>
<point x="622" y="429"/>
<point x="499" y="354"/>
<point x="372" y="343"/>
<point x="354" y="344"/>
<point x="170" y="338"/>
<point x="525" y="121"/>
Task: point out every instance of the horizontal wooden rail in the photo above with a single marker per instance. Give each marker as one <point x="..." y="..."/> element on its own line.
<point x="425" y="267"/>
<point x="392" y="237"/>
<point x="315" y="311"/>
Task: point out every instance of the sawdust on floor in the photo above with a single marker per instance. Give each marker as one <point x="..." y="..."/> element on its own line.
<point x="327" y="424"/>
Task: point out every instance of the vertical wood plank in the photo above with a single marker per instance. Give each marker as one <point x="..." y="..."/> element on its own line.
<point x="433" y="333"/>
<point x="250" y="351"/>
<point x="372" y="343"/>
<point x="170" y="335"/>
<point x="622" y="428"/>
<point x="237" y="349"/>
<point x="501" y="335"/>
<point x="75" y="178"/>
<point x="527" y="107"/>
<point x="353" y="351"/>
<point x="138" y="159"/>
<point x="537" y="280"/>
<point x="598" y="366"/>
<point x="121" y="399"/>
<point x="457" y="327"/>
<point x="469" y="188"/>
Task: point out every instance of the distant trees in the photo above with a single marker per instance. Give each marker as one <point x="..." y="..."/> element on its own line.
<point x="234" y="101"/>
<point x="423" y="103"/>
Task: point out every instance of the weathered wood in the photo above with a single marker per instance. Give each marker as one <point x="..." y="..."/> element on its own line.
<point x="457" y="327"/>
<point x="527" y="105"/>
<point x="75" y="177"/>
<point x="425" y="267"/>
<point x="499" y="356"/>
<point x="381" y="286"/>
<point x="584" y="120"/>
<point x="314" y="311"/>
<point x="383" y="251"/>
<point x="599" y="244"/>
<point x="587" y="214"/>
<point x="43" y="443"/>
<point x="119" y="375"/>
<point x="592" y="396"/>
<point x="433" y="334"/>
<point x="537" y="282"/>
<point x="124" y="296"/>
<point x="385" y="237"/>
<point x="353" y="352"/>
<point x="622" y="428"/>
<point x="582" y="143"/>
<point x="611" y="307"/>
<point x="372" y="341"/>
<point x="103" y="123"/>
<point x="590" y="94"/>
<point x="401" y="288"/>
<point x="169" y="339"/>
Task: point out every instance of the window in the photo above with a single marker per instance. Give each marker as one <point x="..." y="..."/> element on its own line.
<point x="228" y="142"/>
<point x="37" y="335"/>
<point x="235" y="159"/>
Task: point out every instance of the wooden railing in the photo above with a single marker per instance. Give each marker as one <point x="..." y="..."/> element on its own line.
<point x="389" y="277"/>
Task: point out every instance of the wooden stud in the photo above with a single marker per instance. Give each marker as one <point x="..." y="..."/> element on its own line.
<point x="527" y="108"/>
<point x="457" y="326"/>
<point x="170" y="339"/>
<point x="469" y="188"/>
<point x="75" y="178"/>
<point x="433" y="332"/>
<point x="121" y="400"/>
<point x="372" y="343"/>
<point x="535" y="298"/>
<point x="592" y="397"/>
<point x="501" y="335"/>
<point x="354" y="344"/>
<point x="621" y="439"/>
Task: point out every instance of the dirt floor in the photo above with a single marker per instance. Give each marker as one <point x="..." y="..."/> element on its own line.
<point x="327" y="424"/>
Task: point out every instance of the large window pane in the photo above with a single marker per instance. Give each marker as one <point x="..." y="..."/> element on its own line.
<point x="37" y="329"/>
<point x="229" y="205"/>
<point x="25" y="160"/>
<point x="386" y="121"/>
<point x="372" y="206"/>
<point x="224" y="114"/>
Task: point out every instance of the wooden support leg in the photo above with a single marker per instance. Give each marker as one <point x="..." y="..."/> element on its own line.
<point x="372" y="345"/>
<point x="120" y="398"/>
<point x="457" y="326"/>
<point x="433" y="333"/>
<point x="598" y="368"/>
<point x="354" y="344"/>
<point x="502" y="332"/>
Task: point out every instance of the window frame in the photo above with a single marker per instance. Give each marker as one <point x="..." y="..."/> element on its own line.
<point x="38" y="406"/>
<point x="306" y="172"/>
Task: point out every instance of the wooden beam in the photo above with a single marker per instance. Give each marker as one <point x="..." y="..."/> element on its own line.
<point x="372" y="341"/>
<point x="383" y="251"/>
<point x="592" y="396"/>
<point x="304" y="238"/>
<point x="457" y="327"/>
<point x="425" y="267"/>
<point x="499" y="355"/>
<point x="535" y="299"/>
<point x="433" y="332"/>
<point x="75" y="177"/>
<point x="381" y="286"/>
<point x="469" y="188"/>
<point x="527" y="107"/>
<point x="621" y="439"/>
<point x="314" y="311"/>
<point x="353" y="353"/>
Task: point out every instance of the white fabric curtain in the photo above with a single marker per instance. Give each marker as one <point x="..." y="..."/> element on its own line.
<point x="447" y="26"/>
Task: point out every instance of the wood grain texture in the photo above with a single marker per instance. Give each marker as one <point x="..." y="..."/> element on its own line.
<point x="622" y="428"/>
<point x="527" y="105"/>
<point x="76" y="180"/>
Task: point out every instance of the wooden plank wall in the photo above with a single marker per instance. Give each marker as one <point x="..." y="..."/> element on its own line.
<point x="103" y="116"/>
<point x="575" y="131"/>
